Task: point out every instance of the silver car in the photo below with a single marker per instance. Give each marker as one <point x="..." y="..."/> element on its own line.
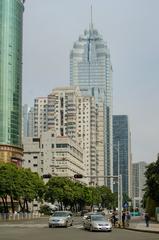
<point x="61" y="219"/>
<point x="97" y="223"/>
<point x="92" y="213"/>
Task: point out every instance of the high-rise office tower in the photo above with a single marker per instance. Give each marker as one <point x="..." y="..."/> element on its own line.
<point x="91" y="70"/>
<point x="11" y="25"/>
<point x="122" y="152"/>
<point x="27" y="121"/>
<point x="138" y="182"/>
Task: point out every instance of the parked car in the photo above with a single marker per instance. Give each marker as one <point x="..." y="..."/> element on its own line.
<point x="61" y="218"/>
<point x="97" y="223"/>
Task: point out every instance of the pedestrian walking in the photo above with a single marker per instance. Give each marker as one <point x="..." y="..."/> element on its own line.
<point x="114" y="219"/>
<point x="128" y="216"/>
<point x="147" y="219"/>
<point x="123" y="219"/>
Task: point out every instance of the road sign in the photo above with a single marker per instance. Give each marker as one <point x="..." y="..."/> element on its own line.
<point x="125" y="205"/>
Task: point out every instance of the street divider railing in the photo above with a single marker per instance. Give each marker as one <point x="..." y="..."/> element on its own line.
<point x="18" y="216"/>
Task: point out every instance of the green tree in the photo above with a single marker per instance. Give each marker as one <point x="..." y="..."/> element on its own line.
<point x="31" y="187"/>
<point x="107" y="197"/>
<point x="8" y="184"/>
<point x="59" y="189"/>
<point x="151" y="194"/>
<point x="19" y="184"/>
<point x="79" y="196"/>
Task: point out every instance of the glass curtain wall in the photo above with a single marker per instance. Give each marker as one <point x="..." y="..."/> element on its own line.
<point x="11" y="24"/>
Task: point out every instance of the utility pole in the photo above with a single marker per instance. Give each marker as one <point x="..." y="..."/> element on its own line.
<point x="120" y="190"/>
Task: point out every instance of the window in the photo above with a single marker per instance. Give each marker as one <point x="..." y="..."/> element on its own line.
<point x="61" y="145"/>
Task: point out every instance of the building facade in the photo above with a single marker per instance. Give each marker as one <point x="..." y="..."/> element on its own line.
<point x="25" y="111"/>
<point x="30" y="131"/>
<point x="69" y="115"/>
<point x="51" y="155"/>
<point x="91" y="70"/>
<point x="27" y="121"/>
<point x="138" y="182"/>
<point x="74" y="115"/>
<point x="40" y="116"/>
<point x="122" y="152"/>
<point x="11" y="26"/>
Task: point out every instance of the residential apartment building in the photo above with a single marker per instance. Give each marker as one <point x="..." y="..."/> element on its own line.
<point x="40" y="116"/>
<point x="30" y="126"/>
<point x="122" y="152"/>
<point x="69" y="114"/>
<point x="75" y="116"/>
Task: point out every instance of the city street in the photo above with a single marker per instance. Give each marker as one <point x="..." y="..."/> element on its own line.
<point x="44" y="233"/>
<point x="38" y="230"/>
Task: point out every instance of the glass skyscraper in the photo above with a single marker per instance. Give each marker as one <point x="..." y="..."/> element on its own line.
<point x="11" y="24"/>
<point x="91" y="70"/>
<point x="122" y="152"/>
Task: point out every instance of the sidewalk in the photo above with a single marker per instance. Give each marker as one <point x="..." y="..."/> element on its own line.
<point x="153" y="227"/>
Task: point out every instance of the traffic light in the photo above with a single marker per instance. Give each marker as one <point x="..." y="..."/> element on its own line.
<point x="47" y="176"/>
<point x="78" y="176"/>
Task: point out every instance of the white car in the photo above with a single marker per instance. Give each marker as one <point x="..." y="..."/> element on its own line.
<point x="61" y="219"/>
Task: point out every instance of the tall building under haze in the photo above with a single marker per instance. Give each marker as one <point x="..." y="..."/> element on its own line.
<point x="91" y="70"/>
<point x="122" y="153"/>
<point x="11" y="32"/>
<point x="138" y="183"/>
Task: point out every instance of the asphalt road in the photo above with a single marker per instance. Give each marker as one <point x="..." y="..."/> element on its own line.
<point x="38" y="230"/>
<point x="44" y="233"/>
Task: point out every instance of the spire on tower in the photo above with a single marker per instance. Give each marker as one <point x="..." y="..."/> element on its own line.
<point x="91" y="23"/>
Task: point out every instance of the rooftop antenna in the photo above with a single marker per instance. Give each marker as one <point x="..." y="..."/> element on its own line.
<point x="91" y="24"/>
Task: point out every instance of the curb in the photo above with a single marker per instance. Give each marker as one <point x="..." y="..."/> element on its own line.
<point x="141" y="230"/>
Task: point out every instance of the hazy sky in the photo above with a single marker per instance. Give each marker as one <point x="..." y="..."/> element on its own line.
<point x="131" y="29"/>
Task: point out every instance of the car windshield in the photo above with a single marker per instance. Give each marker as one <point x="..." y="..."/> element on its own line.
<point x="97" y="218"/>
<point x="60" y="214"/>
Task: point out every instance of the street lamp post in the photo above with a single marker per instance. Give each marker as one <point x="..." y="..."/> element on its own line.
<point x="120" y="190"/>
<point x="120" y="196"/>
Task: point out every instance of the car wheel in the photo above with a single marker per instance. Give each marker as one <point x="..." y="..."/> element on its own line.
<point x="50" y="226"/>
<point x="66" y="224"/>
<point x="71" y="223"/>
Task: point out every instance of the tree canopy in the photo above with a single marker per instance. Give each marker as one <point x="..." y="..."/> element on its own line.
<point x="151" y="196"/>
<point x="19" y="185"/>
